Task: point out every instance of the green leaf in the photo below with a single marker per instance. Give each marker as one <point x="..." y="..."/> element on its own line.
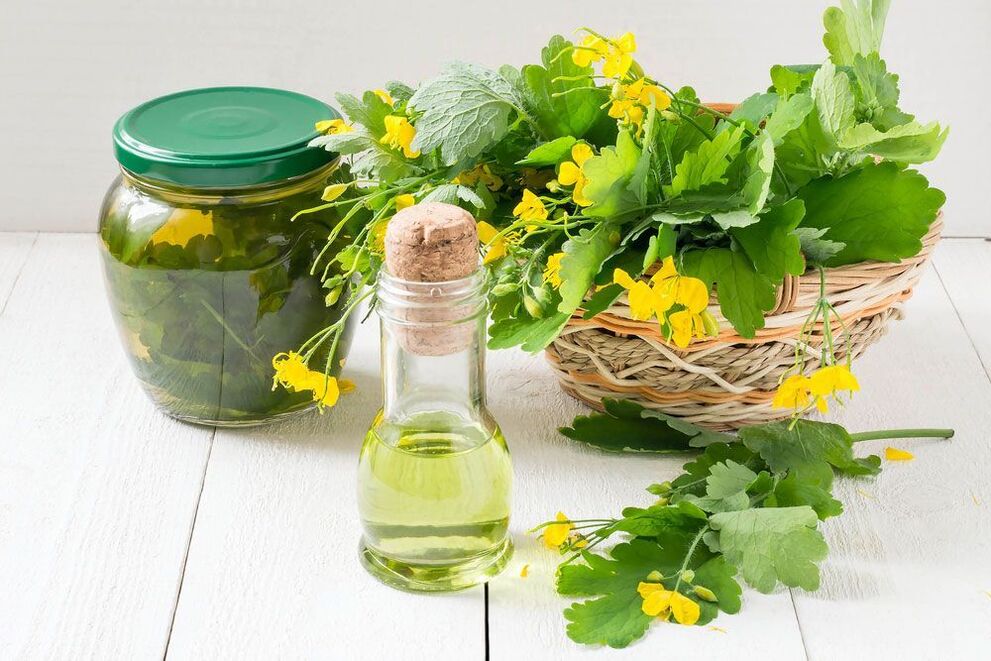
<point x="856" y="28"/>
<point x="809" y="450"/>
<point x="793" y="492"/>
<point x="370" y="111"/>
<point x="789" y="114"/>
<point x="760" y="163"/>
<point x="754" y="109"/>
<point x="789" y="80"/>
<point x="550" y="153"/>
<point x="563" y="97"/>
<point x="726" y="488"/>
<point x="345" y="143"/>
<point x="771" y="545"/>
<point x="601" y="300"/>
<point x="696" y="471"/>
<point x="907" y="143"/>
<point x="879" y="211"/>
<point x="658" y="520"/>
<point x="706" y="165"/>
<point x="877" y="90"/>
<point x="609" y="174"/>
<point x="464" y="111"/>
<point x="733" y="219"/>
<point x="817" y="250"/>
<point x="771" y="244"/>
<point x="717" y="575"/>
<point x="834" y="101"/>
<point x="583" y="257"/>
<point x="623" y="428"/>
<point x="530" y="334"/>
<point x="744" y="294"/>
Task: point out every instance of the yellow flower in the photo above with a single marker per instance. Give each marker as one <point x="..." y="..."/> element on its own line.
<point x="182" y="225"/>
<point x="333" y="126"/>
<point x="385" y="96"/>
<point x="557" y="534"/>
<point x="629" y="101"/>
<point x="619" y="59"/>
<point x="552" y="272"/>
<point x="685" y="325"/>
<point x="592" y="49"/>
<point x="293" y="374"/>
<point x="334" y="191"/>
<point x="399" y="134"/>
<point x="378" y="234"/>
<point x="403" y="201"/>
<point x="826" y="381"/>
<point x="656" y="600"/>
<point x="643" y="299"/>
<point x="530" y="207"/>
<point x="894" y="454"/>
<point x="571" y="173"/>
<point x="481" y="172"/>
<point x="496" y="246"/>
<point x="684" y="610"/>
<point x="793" y="393"/>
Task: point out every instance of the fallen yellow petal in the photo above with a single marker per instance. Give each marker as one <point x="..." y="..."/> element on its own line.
<point x="894" y="454"/>
<point x="524" y="571"/>
<point x="717" y="629"/>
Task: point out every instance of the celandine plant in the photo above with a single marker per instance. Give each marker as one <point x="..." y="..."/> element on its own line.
<point x="589" y="175"/>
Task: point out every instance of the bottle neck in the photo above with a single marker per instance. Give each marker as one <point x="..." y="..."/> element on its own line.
<point x="433" y="347"/>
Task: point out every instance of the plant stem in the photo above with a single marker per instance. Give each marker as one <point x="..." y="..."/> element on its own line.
<point x="901" y="433"/>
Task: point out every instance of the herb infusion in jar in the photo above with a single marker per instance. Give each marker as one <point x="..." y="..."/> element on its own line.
<point x="434" y="476"/>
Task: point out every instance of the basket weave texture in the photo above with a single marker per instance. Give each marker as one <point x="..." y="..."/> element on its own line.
<point x="729" y="381"/>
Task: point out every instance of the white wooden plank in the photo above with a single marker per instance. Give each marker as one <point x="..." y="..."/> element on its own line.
<point x="908" y="574"/>
<point x="14" y="250"/>
<point x="273" y="568"/>
<point x="97" y="489"/>
<point x="553" y="473"/>
<point x="964" y="266"/>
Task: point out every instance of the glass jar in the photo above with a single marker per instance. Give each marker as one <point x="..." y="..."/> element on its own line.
<point x="434" y="474"/>
<point x="207" y="273"/>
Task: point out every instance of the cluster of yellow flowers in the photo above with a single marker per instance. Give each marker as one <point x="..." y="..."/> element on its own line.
<point x="801" y="393"/>
<point x="616" y="54"/>
<point x="292" y="373"/>
<point x="480" y="173"/>
<point x="666" y="289"/>
<point x="630" y="102"/>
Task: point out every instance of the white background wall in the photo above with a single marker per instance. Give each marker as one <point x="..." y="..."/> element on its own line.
<point x="69" y="68"/>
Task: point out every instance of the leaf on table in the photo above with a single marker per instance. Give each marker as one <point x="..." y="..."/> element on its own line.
<point x="744" y="294"/>
<point x="879" y="212"/>
<point x="725" y="488"/>
<point x="771" y="545"/>
<point x="696" y="471"/>
<point x="771" y="243"/>
<point x="622" y="429"/>
<point x="809" y="450"/>
<point x="465" y="110"/>
<point x="531" y="335"/>
<point x="792" y="492"/>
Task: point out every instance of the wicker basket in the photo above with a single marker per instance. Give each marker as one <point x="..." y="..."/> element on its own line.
<point x="728" y="381"/>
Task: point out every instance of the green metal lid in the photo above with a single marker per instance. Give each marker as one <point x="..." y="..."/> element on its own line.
<point x="222" y="137"/>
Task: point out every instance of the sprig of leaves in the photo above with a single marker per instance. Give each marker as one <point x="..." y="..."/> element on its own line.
<point x="745" y="509"/>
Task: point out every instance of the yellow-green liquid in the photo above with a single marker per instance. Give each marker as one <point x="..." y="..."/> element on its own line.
<point x="434" y="498"/>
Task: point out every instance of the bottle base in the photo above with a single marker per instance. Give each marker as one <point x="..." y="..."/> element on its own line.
<point x="436" y="578"/>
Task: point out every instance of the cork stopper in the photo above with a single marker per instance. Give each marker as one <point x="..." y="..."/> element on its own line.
<point x="431" y="242"/>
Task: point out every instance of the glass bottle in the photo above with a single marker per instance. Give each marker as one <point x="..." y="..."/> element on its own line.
<point x="434" y="475"/>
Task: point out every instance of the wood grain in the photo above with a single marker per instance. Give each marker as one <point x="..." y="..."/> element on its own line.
<point x="909" y="571"/>
<point x="14" y="251"/>
<point x="273" y="568"/>
<point x="97" y="489"/>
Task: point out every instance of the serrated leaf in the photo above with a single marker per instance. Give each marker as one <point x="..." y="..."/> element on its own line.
<point x="760" y="163"/>
<point x="908" y="143"/>
<point x="744" y="294"/>
<point x="609" y="175"/>
<point x="754" y="109"/>
<point x="771" y="244"/>
<point x="622" y="428"/>
<point x="855" y="28"/>
<point x="549" y="153"/>
<point x="563" y="97"/>
<point x="792" y="492"/>
<point x="789" y="80"/>
<point x="789" y="114"/>
<point x="726" y="487"/>
<point x="817" y="250"/>
<point x="696" y="471"/>
<point x="771" y="545"/>
<point x="706" y="165"/>
<point x="834" y="101"/>
<point x="369" y="111"/>
<point x="464" y="111"/>
<point x="878" y="211"/>
<point x="344" y="143"/>
<point x="583" y="257"/>
<point x="531" y="335"/>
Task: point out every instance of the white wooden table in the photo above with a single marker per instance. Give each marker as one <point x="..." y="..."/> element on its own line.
<point x="126" y="535"/>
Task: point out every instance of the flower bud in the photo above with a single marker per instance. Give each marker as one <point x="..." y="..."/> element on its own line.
<point x="655" y="576"/>
<point x="503" y="289"/>
<point x="688" y="576"/>
<point x="710" y="324"/>
<point x="533" y="306"/>
<point x="705" y="593"/>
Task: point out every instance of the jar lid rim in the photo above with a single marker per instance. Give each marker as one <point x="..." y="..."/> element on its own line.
<point x="222" y="136"/>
